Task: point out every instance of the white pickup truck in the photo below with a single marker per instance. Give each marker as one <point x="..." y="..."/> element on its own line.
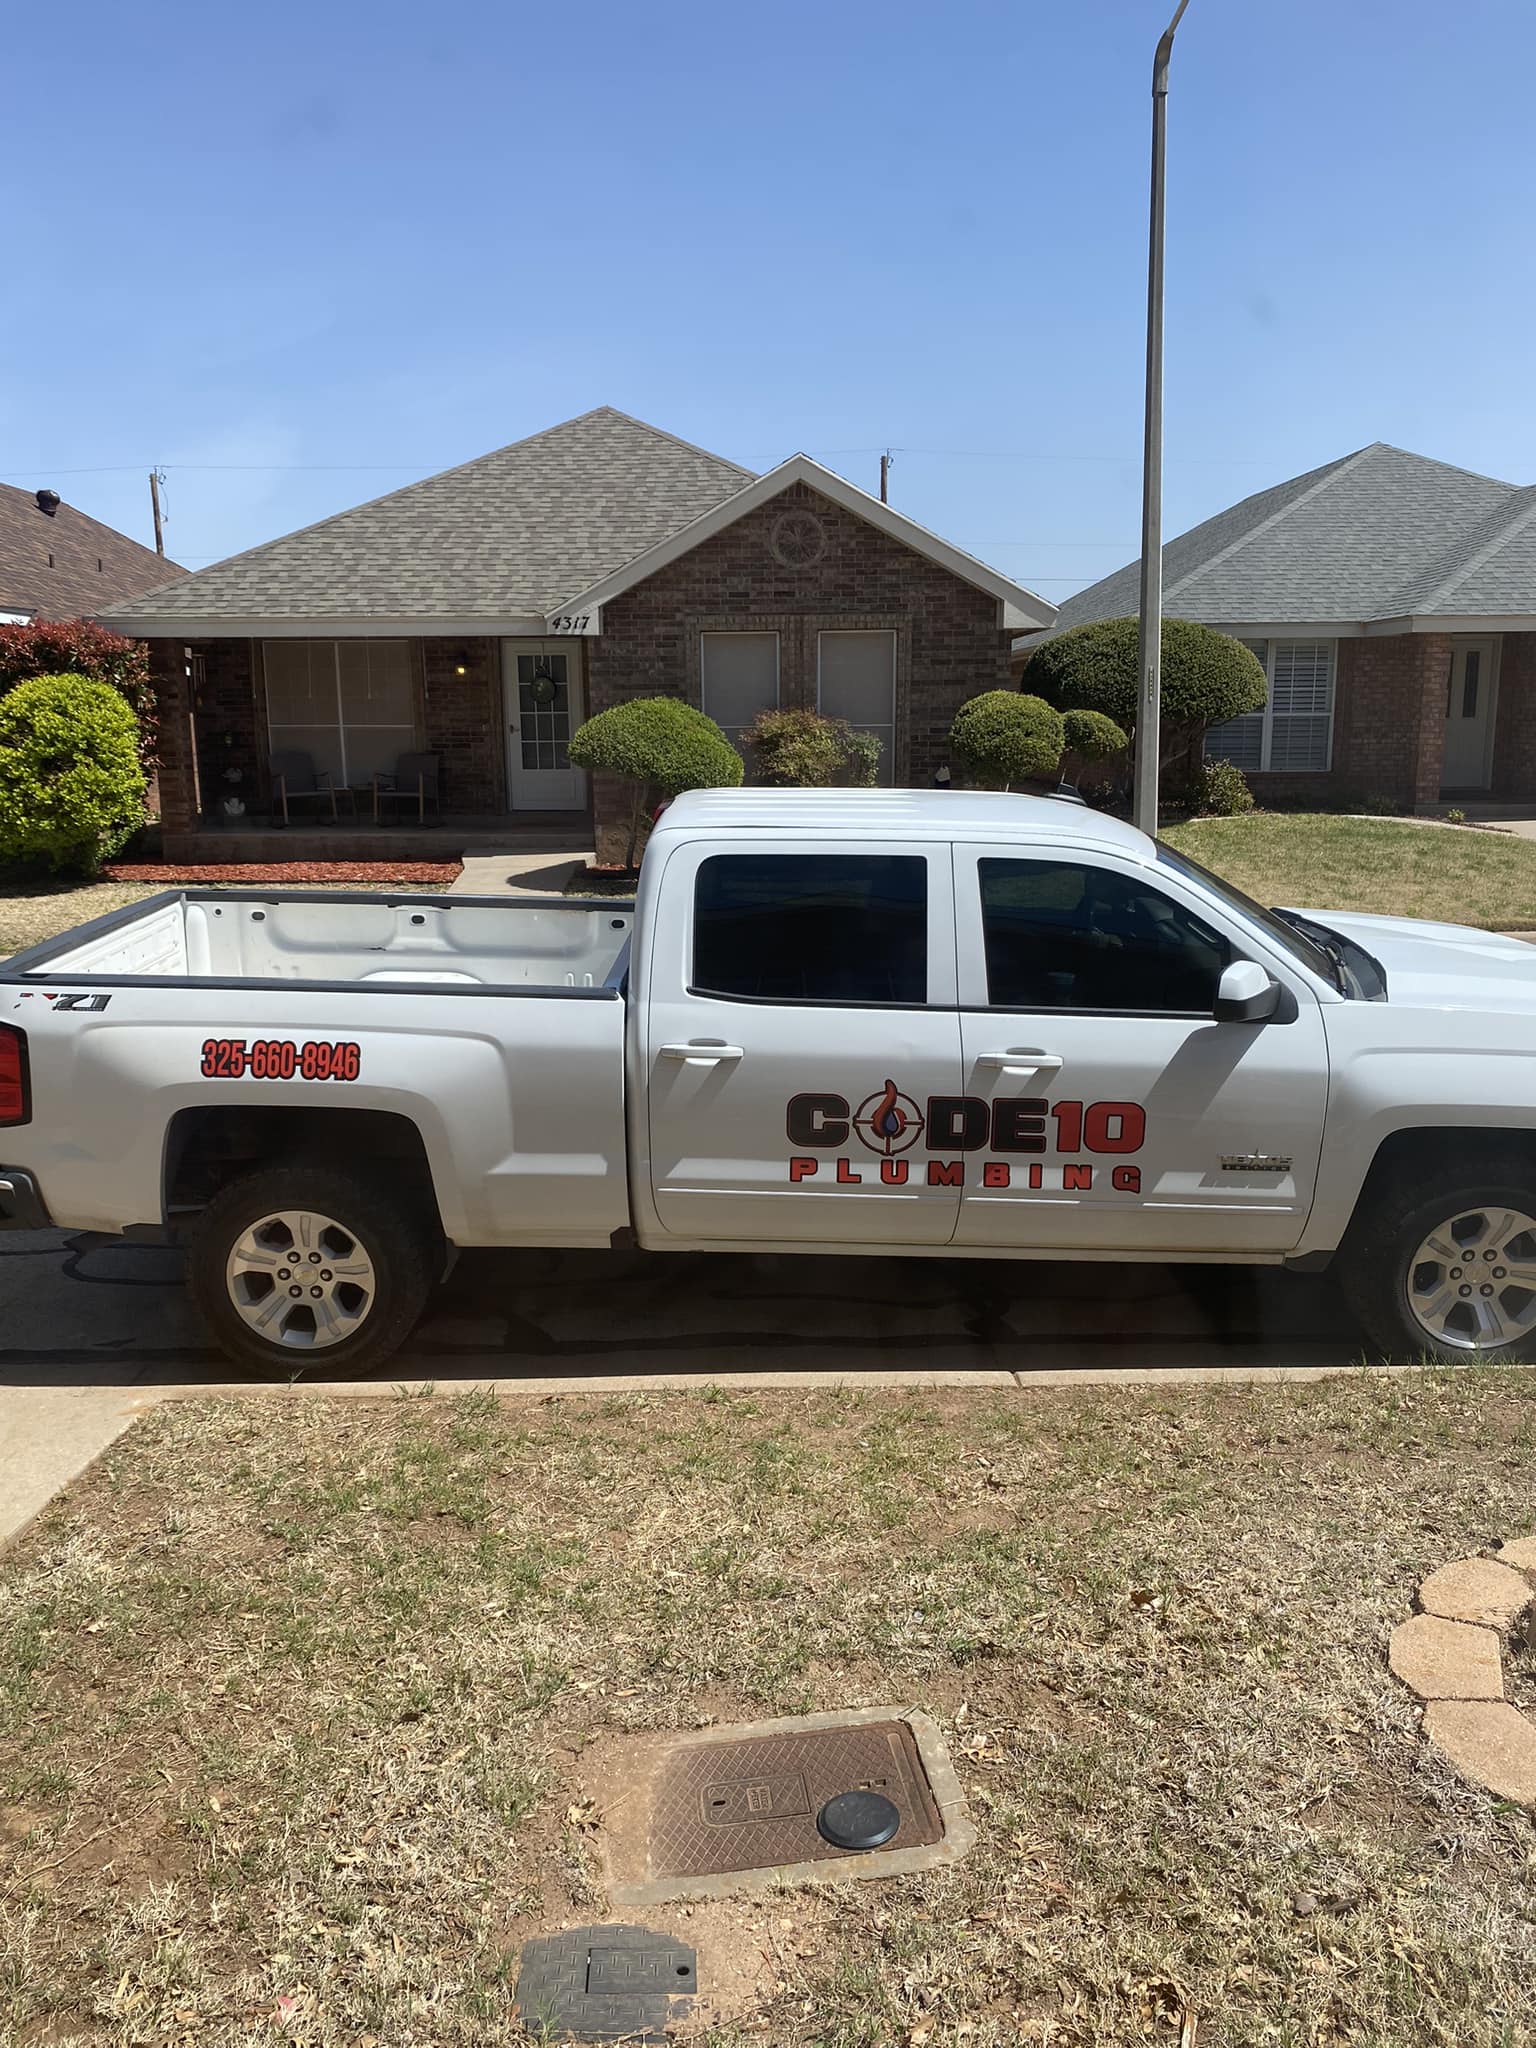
<point x="918" y="1023"/>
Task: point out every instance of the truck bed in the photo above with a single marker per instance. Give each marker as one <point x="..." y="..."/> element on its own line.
<point x="331" y="938"/>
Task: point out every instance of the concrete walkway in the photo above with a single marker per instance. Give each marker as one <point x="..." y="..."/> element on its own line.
<point x="48" y="1435"/>
<point x="522" y="871"/>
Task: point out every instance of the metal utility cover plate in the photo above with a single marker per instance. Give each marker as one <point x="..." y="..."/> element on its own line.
<point x="606" y="1984"/>
<point x="752" y="1805"/>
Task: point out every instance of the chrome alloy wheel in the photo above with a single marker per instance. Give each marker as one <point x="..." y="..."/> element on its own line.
<point x="1472" y="1282"/>
<point x="301" y="1281"/>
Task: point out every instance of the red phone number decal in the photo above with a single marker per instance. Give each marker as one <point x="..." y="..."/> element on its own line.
<point x="280" y="1059"/>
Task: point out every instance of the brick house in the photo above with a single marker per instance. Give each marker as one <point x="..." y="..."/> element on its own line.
<point x="480" y="615"/>
<point x="1392" y="601"/>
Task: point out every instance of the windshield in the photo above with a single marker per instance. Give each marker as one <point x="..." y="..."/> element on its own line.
<point x="1284" y="933"/>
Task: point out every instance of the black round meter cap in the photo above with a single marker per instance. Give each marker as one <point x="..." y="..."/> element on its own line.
<point x="858" y="1820"/>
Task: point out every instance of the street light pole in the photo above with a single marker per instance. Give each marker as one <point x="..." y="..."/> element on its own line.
<point x="1150" y="650"/>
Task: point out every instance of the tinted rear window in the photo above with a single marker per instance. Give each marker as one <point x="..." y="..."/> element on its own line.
<point x="812" y="928"/>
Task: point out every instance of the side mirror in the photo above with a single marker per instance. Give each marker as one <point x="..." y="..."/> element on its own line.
<point x="1245" y="994"/>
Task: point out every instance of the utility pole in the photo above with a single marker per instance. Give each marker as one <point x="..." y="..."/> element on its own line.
<point x="154" y="499"/>
<point x="1149" y="697"/>
<point x="885" y="473"/>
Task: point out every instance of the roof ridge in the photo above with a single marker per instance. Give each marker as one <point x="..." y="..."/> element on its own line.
<point x="1330" y="473"/>
<point x="1500" y="538"/>
<point x="1457" y="469"/>
<point x="453" y="469"/>
<point x="662" y="434"/>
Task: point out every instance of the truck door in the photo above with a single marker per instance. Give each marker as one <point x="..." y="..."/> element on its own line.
<point x="801" y="1015"/>
<point x="1119" y="1114"/>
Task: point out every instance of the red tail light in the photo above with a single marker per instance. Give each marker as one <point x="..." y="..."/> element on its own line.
<point x="15" y="1094"/>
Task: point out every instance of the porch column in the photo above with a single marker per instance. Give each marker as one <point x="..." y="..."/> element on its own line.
<point x="1429" y="668"/>
<point x="180" y="800"/>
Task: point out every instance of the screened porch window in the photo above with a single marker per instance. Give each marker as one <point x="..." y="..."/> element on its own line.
<point x="349" y="704"/>
<point x="1293" y="734"/>
<point x="856" y="680"/>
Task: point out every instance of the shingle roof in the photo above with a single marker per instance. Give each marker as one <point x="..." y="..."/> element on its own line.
<point x="1379" y="534"/>
<point x="510" y="535"/>
<point x="71" y="586"/>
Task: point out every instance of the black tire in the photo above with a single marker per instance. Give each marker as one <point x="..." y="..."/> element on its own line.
<point x="399" y="1239"/>
<point x="1374" y="1265"/>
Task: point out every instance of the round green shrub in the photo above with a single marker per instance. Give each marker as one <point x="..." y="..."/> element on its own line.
<point x="71" y="787"/>
<point x="800" y="749"/>
<point x="1207" y="678"/>
<point x="1002" y="738"/>
<point x="659" y="746"/>
<point x="1219" y="789"/>
<point x="1090" y="736"/>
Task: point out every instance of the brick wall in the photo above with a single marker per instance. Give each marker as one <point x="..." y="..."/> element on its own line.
<point x="1388" y="724"/>
<point x="949" y="644"/>
<point x="462" y="720"/>
<point x="1514" y="735"/>
<point x="177" y="774"/>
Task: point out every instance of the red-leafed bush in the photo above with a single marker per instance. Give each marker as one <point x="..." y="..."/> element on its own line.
<point x="54" y="647"/>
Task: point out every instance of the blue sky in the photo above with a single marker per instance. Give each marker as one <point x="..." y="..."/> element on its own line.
<point x="301" y="254"/>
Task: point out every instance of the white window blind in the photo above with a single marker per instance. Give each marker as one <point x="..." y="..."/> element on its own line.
<point x="856" y="680"/>
<point x="740" y="676"/>
<point x="1293" y="733"/>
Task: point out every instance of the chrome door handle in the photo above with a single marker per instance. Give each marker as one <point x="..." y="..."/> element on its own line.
<point x="703" y="1052"/>
<point x="1025" y="1062"/>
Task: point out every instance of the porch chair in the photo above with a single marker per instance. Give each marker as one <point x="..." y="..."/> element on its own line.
<point x="296" y="780"/>
<point x="416" y="784"/>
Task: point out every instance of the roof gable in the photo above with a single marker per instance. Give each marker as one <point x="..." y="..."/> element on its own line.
<point x="507" y="536"/>
<point x="1342" y="543"/>
<point x="1022" y="609"/>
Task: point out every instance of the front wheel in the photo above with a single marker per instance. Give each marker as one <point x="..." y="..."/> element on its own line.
<point x="305" y="1268"/>
<point x="1449" y="1273"/>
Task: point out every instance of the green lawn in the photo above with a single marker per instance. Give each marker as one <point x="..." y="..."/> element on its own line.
<point x="303" y="1704"/>
<point x="1315" y="861"/>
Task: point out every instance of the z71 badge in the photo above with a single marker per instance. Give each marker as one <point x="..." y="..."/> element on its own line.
<point x="281" y="1059"/>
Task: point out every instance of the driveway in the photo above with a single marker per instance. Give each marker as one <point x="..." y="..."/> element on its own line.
<point x="74" y="1313"/>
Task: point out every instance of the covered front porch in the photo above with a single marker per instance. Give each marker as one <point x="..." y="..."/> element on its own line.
<point x="290" y="748"/>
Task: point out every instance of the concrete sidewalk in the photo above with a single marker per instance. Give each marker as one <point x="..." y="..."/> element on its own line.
<point x="48" y="1436"/>
<point x="522" y="871"/>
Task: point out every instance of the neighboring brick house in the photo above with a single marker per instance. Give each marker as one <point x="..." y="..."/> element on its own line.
<point x="1393" y="602"/>
<point x="480" y="615"/>
<point x="58" y="563"/>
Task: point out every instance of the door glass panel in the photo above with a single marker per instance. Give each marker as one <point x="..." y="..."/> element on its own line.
<point x="1469" y="677"/>
<point x="799" y="928"/>
<point x="1062" y="935"/>
<point x="544" y="709"/>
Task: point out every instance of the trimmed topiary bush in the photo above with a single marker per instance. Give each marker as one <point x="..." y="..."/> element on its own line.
<point x="1001" y="738"/>
<point x="1090" y="737"/>
<point x="659" y="746"/>
<point x="1207" y="678"/>
<point x="1218" y="789"/>
<point x="71" y="785"/>
<point x="804" y="750"/>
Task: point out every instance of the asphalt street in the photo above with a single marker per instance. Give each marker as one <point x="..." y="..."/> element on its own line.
<point x="75" y="1313"/>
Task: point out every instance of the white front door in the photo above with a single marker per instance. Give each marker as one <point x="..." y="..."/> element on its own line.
<point x="541" y="690"/>
<point x="1469" y="699"/>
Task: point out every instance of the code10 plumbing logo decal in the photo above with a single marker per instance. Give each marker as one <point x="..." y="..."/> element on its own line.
<point x="1008" y="1131"/>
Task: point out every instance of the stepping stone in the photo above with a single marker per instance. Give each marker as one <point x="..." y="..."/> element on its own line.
<point x="1446" y="1660"/>
<point x="1479" y="1590"/>
<point x="1489" y="1742"/>
<point x="1521" y="1554"/>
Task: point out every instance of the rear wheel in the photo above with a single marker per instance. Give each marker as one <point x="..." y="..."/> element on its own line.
<point x="1449" y="1272"/>
<point x="309" y="1269"/>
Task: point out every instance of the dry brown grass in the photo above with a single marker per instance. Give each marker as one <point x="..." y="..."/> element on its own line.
<point x="34" y="911"/>
<point x="294" y="1697"/>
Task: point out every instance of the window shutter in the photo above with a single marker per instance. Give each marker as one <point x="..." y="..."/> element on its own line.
<point x="1301" y="705"/>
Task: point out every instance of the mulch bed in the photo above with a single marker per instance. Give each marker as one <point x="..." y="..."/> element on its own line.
<point x="436" y="871"/>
